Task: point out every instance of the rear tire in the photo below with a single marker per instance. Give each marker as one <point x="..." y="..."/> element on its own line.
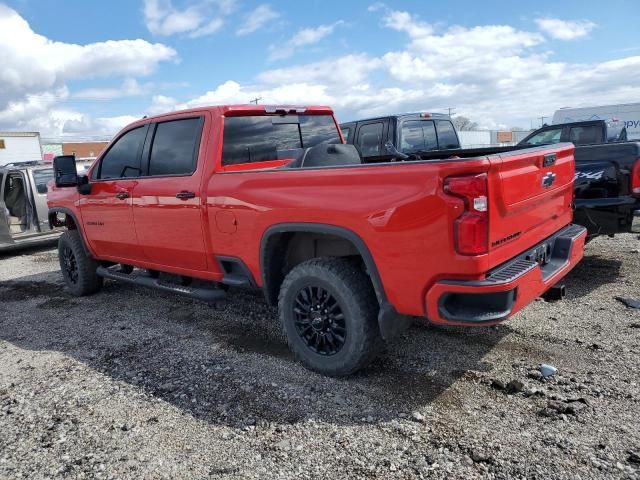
<point x="328" y="311"/>
<point x="78" y="268"/>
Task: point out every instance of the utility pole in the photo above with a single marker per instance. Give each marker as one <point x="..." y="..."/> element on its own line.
<point x="451" y="109"/>
<point x="255" y="100"/>
<point x="542" y="121"/>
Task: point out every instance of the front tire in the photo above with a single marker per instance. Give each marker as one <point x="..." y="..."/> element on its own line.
<point x="328" y="311"/>
<point x="78" y="268"/>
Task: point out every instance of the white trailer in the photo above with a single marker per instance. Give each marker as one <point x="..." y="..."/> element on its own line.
<point x="17" y="147"/>
<point x="628" y="113"/>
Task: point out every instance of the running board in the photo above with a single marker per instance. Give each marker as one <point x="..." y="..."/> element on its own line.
<point x="208" y="295"/>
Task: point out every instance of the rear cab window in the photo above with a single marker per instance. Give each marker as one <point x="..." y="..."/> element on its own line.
<point x="447" y="138"/>
<point x="427" y="135"/>
<point x="418" y="135"/>
<point x="265" y="138"/>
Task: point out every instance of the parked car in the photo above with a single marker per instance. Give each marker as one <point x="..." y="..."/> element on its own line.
<point x="269" y="197"/>
<point x="607" y="184"/>
<point x="409" y="133"/>
<point x="626" y="113"/>
<point x="23" y="205"/>
<point x="589" y="132"/>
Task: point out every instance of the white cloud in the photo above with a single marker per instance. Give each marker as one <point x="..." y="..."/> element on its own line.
<point x="129" y="88"/>
<point x="565" y="29"/>
<point x="347" y="70"/>
<point x="303" y="37"/>
<point x="255" y="20"/>
<point x="199" y="19"/>
<point x="495" y="74"/>
<point x="83" y="125"/>
<point x="35" y="70"/>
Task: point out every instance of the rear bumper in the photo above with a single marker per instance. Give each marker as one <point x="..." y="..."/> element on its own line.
<point x="509" y="287"/>
<point x="635" y="222"/>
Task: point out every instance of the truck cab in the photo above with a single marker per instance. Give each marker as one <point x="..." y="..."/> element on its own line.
<point x="23" y="205"/>
<point x="409" y="133"/>
<point x="589" y="132"/>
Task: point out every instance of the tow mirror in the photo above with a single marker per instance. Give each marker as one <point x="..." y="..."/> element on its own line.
<point x="65" y="172"/>
<point x="392" y="150"/>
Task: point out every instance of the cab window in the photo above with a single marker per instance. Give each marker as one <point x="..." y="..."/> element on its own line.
<point x="123" y="158"/>
<point x="370" y="139"/>
<point x="268" y="137"/>
<point x="175" y="147"/>
<point x="545" y="137"/>
<point x="418" y="136"/>
<point x="586" y="135"/>
<point x="447" y="137"/>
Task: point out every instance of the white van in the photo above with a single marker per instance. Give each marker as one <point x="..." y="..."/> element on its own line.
<point x="628" y="113"/>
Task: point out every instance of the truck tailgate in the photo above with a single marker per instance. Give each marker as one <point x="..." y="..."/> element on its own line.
<point x="530" y="197"/>
<point x="603" y="197"/>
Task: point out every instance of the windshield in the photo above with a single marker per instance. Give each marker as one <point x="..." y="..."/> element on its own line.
<point x="41" y="178"/>
<point x="546" y="137"/>
<point x="264" y="138"/>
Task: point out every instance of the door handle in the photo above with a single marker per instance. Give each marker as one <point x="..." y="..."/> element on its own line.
<point x="122" y="195"/>
<point x="185" y="195"/>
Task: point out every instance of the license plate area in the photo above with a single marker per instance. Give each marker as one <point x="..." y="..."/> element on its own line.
<point x="540" y="254"/>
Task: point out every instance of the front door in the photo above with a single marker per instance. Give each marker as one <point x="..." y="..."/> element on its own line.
<point x="107" y="212"/>
<point x="167" y="205"/>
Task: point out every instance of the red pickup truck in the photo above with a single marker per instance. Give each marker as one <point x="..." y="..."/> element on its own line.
<point x="197" y="201"/>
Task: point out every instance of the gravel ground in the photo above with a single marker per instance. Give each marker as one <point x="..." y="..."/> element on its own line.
<point x="131" y="383"/>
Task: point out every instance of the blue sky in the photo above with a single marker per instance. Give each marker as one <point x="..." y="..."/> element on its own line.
<point x="87" y="68"/>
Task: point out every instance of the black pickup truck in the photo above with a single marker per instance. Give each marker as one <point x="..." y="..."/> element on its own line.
<point x="607" y="184"/>
<point x="378" y="139"/>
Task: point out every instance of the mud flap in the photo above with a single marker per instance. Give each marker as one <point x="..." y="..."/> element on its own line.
<point x="391" y="323"/>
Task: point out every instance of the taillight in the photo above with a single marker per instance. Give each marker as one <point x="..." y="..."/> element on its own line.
<point x="471" y="229"/>
<point x="635" y="179"/>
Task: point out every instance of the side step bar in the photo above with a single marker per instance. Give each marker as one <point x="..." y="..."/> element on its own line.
<point x="208" y="295"/>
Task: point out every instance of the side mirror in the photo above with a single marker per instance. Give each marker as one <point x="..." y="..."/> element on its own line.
<point x="392" y="150"/>
<point x="64" y="170"/>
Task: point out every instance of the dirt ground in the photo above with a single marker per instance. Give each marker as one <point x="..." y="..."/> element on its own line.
<point x="131" y="383"/>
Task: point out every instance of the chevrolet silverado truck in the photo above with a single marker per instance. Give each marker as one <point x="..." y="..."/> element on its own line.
<point x="391" y="137"/>
<point x="24" y="216"/>
<point x="607" y="183"/>
<point x="195" y="202"/>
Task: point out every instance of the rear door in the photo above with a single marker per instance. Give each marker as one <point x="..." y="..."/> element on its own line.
<point x="107" y="212"/>
<point x="530" y="196"/>
<point x="167" y="202"/>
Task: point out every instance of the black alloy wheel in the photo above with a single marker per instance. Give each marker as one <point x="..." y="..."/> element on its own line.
<point x="70" y="264"/>
<point x="319" y="320"/>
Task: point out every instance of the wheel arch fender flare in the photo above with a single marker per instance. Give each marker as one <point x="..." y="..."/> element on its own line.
<point x="321" y="228"/>
<point x="53" y="211"/>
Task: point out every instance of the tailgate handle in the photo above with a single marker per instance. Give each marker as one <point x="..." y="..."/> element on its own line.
<point x="549" y="159"/>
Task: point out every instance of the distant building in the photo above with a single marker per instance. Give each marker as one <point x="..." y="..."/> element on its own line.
<point x="88" y="150"/>
<point x="16" y="147"/>
<point x="488" y="138"/>
<point x="50" y="150"/>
